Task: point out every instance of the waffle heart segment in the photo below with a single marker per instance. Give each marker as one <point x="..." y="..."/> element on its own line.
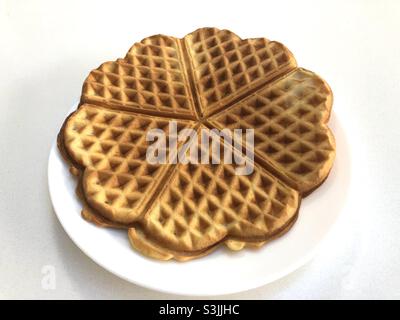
<point x="111" y="148"/>
<point x="289" y="119"/>
<point x="203" y="204"/>
<point x="150" y="79"/>
<point x="226" y="67"/>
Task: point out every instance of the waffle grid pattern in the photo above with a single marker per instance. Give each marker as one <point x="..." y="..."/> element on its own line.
<point x="202" y="204"/>
<point x="224" y="65"/>
<point x="112" y="146"/>
<point x="184" y="210"/>
<point x="150" y="78"/>
<point x="288" y="119"/>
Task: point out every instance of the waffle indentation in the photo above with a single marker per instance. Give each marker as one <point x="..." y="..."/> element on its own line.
<point x="288" y="118"/>
<point x="112" y="146"/>
<point x="226" y="66"/>
<point x="202" y="204"/>
<point x="150" y="78"/>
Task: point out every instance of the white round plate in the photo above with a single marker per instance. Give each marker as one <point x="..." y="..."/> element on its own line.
<point x="221" y="272"/>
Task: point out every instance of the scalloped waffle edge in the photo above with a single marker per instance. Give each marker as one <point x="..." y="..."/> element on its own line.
<point x="207" y="75"/>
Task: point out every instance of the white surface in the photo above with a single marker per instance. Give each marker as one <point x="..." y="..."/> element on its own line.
<point x="111" y="248"/>
<point x="47" y="50"/>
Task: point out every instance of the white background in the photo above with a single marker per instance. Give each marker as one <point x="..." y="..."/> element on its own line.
<point x="48" y="47"/>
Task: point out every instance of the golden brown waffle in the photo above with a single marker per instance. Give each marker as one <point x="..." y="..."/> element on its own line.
<point x="150" y="79"/>
<point x="152" y="249"/>
<point x="111" y="145"/>
<point x="289" y="120"/>
<point x="202" y="204"/>
<point x="225" y="66"/>
<point x="210" y="78"/>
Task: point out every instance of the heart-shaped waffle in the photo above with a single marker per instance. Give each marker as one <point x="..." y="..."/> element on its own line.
<point x="210" y="79"/>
